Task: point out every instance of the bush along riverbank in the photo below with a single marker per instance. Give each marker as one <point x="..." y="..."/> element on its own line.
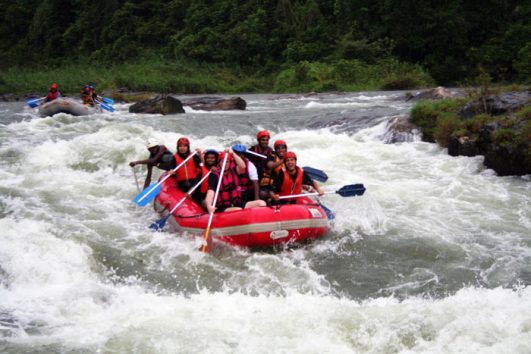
<point x="497" y="126"/>
<point x="179" y="77"/>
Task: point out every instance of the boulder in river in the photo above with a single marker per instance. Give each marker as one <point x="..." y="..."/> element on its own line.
<point x="437" y="93"/>
<point x="400" y="130"/>
<point x="161" y="104"/>
<point x="215" y="103"/>
<point x="496" y="104"/>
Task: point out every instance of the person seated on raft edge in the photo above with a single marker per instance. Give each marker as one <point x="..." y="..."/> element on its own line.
<point x="189" y="174"/>
<point x="261" y="148"/>
<point x="210" y="160"/>
<point x="248" y="180"/>
<point x="229" y="197"/>
<point x="292" y="181"/>
<point x="275" y="164"/>
<point x="159" y="156"/>
<point x="89" y="95"/>
<point x="53" y="93"/>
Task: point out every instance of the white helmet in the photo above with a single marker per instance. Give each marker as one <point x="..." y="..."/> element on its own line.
<point x="152" y="142"/>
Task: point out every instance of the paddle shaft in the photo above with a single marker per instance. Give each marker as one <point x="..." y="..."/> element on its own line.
<point x="207" y="240"/>
<point x="189" y="193"/>
<point x="303" y="195"/>
<point x="166" y="177"/>
<point x="256" y="154"/>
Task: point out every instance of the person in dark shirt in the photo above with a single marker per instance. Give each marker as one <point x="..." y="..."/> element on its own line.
<point x="159" y="156"/>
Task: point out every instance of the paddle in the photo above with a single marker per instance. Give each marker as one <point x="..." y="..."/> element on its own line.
<point x="329" y="213"/>
<point x="349" y="190"/>
<point x="136" y="179"/>
<point x="107" y="100"/>
<point x="105" y="106"/>
<point x="153" y="190"/>
<point x="316" y="174"/>
<point x="207" y="239"/>
<point x="33" y="103"/>
<point x="159" y="224"/>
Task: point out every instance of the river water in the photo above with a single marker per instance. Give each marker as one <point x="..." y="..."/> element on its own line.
<point x="434" y="257"/>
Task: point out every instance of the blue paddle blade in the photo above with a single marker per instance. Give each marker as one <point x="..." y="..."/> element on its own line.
<point x="33" y="102"/>
<point x="329" y="213"/>
<point x="147" y="195"/>
<point x="239" y="148"/>
<point x="159" y="224"/>
<point x="316" y="174"/>
<point x="108" y="100"/>
<point x="106" y="107"/>
<point x="351" y="190"/>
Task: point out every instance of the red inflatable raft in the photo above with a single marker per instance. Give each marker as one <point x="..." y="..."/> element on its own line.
<point x="254" y="227"/>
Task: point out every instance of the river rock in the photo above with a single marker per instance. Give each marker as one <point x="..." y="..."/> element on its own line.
<point x="437" y="93"/>
<point x="161" y="104"/>
<point x="463" y="146"/>
<point x="400" y="130"/>
<point x="215" y="103"/>
<point x="496" y="104"/>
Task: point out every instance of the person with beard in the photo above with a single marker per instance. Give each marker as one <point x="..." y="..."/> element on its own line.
<point x="261" y="148"/>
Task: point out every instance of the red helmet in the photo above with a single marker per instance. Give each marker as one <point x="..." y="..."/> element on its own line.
<point x="290" y="155"/>
<point x="183" y="141"/>
<point x="221" y="156"/>
<point x="261" y="134"/>
<point x="280" y="143"/>
<point x="54" y="86"/>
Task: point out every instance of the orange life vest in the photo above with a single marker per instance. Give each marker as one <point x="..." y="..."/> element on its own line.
<point x="187" y="171"/>
<point x="288" y="186"/>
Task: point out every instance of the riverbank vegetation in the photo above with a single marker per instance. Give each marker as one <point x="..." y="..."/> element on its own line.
<point x="255" y="46"/>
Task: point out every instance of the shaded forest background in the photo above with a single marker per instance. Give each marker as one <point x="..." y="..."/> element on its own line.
<point x="285" y="42"/>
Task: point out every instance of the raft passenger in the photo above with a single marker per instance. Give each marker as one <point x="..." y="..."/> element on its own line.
<point x="274" y="165"/>
<point x="159" y="156"/>
<point x="292" y="180"/>
<point x="262" y="148"/>
<point x="190" y="173"/>
<point x="230" y="196"/>
<point x="53" y="93"/>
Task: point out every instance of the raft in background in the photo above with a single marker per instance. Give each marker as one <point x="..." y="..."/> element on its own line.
<point x="67" y="105"/>
<point x="254" y="227"/>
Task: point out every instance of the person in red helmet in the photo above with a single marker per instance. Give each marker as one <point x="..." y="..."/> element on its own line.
<point x="293" y="180"/>
<point x="190" y="173"/>
<point x="159" y="156"/>
<point x="275" y="163"/>
<point x="262" y="148"/>
<point x="53" y="93"/>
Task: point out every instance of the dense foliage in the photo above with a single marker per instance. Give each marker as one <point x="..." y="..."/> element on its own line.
<point x="452" y="40"/>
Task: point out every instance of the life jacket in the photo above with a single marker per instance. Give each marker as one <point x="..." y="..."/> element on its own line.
<point x="289" y="187"/>
<point x="269" y="175"/>
<point x="167" y="161"/>
<point x="203" y="189"/>
<point x="243" y="178"/>
<point x="188" y="171"/>
<point x="229" y="191"/>
<point x="52" y="95"/>
<point x="87" y="98"/>
<point x="259" y="162"/>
